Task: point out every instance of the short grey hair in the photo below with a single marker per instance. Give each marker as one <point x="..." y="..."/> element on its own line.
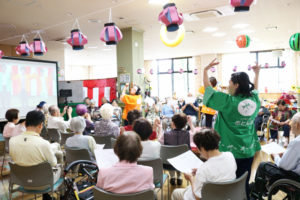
<point x="52" y="109"/>
<point x="106" y="111"/>
<point x="77" y="124"/>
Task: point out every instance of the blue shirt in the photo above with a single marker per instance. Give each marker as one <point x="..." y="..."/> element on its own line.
<point x="290" y="160"/>
<point x="167" y="111"/>
<point x="189" y="110"/>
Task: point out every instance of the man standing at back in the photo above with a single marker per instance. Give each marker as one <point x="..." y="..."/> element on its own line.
<point x="29" y="149"/>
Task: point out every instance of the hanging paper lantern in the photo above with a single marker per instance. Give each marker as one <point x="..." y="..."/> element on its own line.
<point x="111" y="34"/>
<point x="267" y="65"/>
<point x="1" y="54"/>
<point x="151" y="71"/>
<point x="38" y="47"/>
<point x="234" y="68"/>
<point x="170" y="17"/>
<point x="283" y="64"/>
<point x="241" y="5"/>
<point x="180" y="71"/>
<point x="249" y="67"/>
<point x="243" y="41"/>
<point x="170" y="71"/>
<point x="23" y="49"/>
<point x="195" y="71"/>
<point x="295" y="42"/>
<point x="139" y="71"/>
<point x="77" y="39"/>
<point x="213" y="69"/>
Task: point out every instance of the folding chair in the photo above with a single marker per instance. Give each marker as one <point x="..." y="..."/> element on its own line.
<point x="100" y="194"/>
<point x="104" y="140"/>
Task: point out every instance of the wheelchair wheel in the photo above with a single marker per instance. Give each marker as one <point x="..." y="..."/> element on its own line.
<point x="289" y="188"/>
<point x="80" y="179"/>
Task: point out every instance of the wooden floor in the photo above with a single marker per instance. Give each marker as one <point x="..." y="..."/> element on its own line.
<point x="260" y="156"/>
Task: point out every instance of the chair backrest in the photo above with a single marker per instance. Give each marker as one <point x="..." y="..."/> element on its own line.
<point x="113" y="142"/>
<point x="104" y="140"/>
<point x="157" y="166"/>
<point x="64" y="137"/>
<point x="74" y="154"/>
<point x="33" y="176"/>
<point x="100" y="194"/>
<point x="2" y="147"/>
<point x="232" y="190"/>
<point x="170" y="151"/>
<point x="54" y="135"/>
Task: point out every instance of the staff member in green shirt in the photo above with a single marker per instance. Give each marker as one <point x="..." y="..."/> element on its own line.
<point x="235" y="120"/>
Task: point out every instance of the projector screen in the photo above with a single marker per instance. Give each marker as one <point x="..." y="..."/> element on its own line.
<point x="24" y="83"/>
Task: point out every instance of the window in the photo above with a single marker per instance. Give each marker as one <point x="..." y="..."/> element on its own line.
<point x="175" y="75"/>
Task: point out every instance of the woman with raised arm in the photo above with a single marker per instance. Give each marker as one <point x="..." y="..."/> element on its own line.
<point x="236" y="114"/>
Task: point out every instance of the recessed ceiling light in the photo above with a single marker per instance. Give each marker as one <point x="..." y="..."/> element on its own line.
<point x="210" y="29"/>
<point x="240" y="26"/>
<point x="220" y="34"/>
<point x="94" y="21"/>
<point x="247" y="31"/>
<point x="271" y="28"/>
<point x="69" y="14"/>
<point x="159" y="2"/>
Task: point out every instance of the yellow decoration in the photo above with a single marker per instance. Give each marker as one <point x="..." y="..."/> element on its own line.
<point x="172" y="43"/>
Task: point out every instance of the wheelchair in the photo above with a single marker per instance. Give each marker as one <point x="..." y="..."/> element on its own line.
<point x="80" y="179"/>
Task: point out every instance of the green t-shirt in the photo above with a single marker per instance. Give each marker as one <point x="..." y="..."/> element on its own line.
<point x="235" y="121"/>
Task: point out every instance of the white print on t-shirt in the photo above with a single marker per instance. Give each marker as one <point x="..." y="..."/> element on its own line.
<point x="247" y="107"/>
<point x="139" y="101"/>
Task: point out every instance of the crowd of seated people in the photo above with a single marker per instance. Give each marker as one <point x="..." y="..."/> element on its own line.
<point x="142" y="137"/>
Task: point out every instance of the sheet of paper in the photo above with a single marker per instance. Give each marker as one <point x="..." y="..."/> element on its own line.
<point x="105" y="157"/>
<point x="272" y="148"/>
<point x="185" y="162"/>
<point x="100" y="146"/>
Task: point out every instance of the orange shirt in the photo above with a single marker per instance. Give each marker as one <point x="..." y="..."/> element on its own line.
<point x="205" y="109"/>
<point x="131" y="102"/>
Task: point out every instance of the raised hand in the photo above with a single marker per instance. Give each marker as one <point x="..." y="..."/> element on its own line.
<point x="214" y="62"/>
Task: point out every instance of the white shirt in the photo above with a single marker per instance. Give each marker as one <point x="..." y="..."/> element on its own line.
<point x="151" y="149"/>
<point x="58" y="123"/>
<point x="216" y="169"/>
<point x="30" y="149"/>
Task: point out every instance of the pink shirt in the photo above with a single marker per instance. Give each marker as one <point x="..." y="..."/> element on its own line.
<point x="125" y="178"/>
<point x="8" y="130"/>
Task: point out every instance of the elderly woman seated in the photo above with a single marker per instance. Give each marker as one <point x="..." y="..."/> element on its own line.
<point x="126" y="176"/>
<point x="77" y="125"/>
<point x="105" y="126"/>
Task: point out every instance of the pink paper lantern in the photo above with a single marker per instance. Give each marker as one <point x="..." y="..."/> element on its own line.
<point x="77" y="40"/>
<point x="234" y="68"/>
<point x="38" y="47"/>
<point x="283" y="64"/>
<point x="241" y="5"/>
<point x="170" y="71"/>
<point x="181" y="71"/>
<point x="213" y="69"/>
<point x="23" y="49"/>
<point x="170" y="17"/>
<point x="111" y="34"/>
<point x="151" y="71"/>
<point x="139" y="71"/>
<point x="249" y="67"/>
<point x="1" y="54"/>
<point x="195" y="71"/>
<point x="267" y="65"/>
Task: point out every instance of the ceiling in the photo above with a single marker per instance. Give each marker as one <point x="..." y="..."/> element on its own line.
<point x="55" y="18"/>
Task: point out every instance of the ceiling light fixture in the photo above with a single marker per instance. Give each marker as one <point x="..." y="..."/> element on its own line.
<point x="210" y="29"/>
<point x="158" y="2"/>
<point x="271" y="28"/>
<point x="220" y="34"/>
<point x="240" y="26"/>
<point x="94" y="21"/>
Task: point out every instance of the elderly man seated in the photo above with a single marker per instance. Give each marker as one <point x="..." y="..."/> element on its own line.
<point x="29" y="149"/>
<point x="56" y="120"/>
<point x="286" y="166"/>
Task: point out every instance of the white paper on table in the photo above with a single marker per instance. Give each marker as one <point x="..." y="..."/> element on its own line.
<point x="190" y="100"/>
<point x="272" y="148"/>
<point x="185" y="162"/>
<point x="105" y="158"/>
<point x="100" y="146"/>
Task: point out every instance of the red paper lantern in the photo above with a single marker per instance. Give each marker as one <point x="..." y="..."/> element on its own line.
<point x="111" y="34"/>
<point x="77" y="39"/>
<point x="23" y="49"/>
<point x="38" y="47"/>
<point x="241" y="5"/>
<point x="1" y="54"/>
<point x="170" y="17"/>
<point x="243" y="41"/>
